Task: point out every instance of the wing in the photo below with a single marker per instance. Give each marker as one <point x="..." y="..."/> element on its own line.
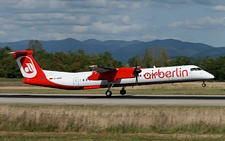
<point x="111" y="74"/>
<point x="102" y="69"/>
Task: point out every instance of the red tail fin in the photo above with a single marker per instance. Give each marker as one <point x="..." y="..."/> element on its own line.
<point x="28" y="66"/>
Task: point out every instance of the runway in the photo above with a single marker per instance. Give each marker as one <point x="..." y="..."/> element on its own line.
<point x="116" y="99"/>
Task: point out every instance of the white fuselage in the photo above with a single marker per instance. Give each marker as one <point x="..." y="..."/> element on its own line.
<point x="147" y="76"/>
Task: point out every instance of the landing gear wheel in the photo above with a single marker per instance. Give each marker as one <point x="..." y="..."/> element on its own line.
<point x="203" y="84"/>
<point x="122" y="92"/>
<point x="108" y="93"/>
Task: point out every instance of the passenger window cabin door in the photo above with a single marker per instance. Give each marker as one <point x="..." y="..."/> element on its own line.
<point x="76" y="81"/>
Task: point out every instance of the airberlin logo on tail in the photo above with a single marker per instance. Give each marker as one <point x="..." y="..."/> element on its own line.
<point x="26" y="66"/>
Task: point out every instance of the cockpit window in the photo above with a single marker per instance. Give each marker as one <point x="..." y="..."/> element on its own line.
<point x="196" y="69"/>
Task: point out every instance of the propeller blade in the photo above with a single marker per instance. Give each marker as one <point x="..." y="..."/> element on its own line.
<point x="148" y="65"/>
<point x="136" y="73"/>
<point x="136" y="80"/>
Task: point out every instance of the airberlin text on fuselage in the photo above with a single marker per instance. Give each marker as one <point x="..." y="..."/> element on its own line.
<point x="177" y="72"/>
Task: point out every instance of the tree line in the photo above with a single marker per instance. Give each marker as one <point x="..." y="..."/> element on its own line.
<point x="80" y="61"/>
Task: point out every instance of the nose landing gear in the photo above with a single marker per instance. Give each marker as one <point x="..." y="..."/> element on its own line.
<point x="203" y="84"/>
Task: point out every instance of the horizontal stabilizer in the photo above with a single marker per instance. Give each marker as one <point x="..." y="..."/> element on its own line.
<point x="19" y="53"/>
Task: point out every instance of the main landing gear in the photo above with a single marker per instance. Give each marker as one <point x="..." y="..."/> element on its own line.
<point x="108" y="93"/>
<point x="203" y="84"/>
<point x="123" y="91"/>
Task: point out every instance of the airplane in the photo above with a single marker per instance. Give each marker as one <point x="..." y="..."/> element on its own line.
<point x="105" y="77"/>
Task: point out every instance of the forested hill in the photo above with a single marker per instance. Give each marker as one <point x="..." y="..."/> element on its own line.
<point x="76" y="61"/>
<point x="122" y="50"/>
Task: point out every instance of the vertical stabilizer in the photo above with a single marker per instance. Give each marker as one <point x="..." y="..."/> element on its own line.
<point x="29" y="68"/>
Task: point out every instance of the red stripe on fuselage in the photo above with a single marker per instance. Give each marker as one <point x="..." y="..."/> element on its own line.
<point x="44" y="82"/>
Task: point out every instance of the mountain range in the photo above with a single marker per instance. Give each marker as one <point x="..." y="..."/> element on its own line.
<point x="122" y="50"/>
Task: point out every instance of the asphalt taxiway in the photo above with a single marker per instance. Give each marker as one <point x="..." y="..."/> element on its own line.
<point x="116" y="99"/>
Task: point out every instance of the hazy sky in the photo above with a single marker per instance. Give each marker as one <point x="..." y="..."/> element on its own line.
<point x="199" y="21"/>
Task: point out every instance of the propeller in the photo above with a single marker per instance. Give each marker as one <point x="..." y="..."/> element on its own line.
<point x="148" y="65"/>
<point x="136" y="73"/>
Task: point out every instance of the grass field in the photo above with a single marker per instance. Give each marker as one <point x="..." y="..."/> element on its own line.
<point x="190" y="88"/>
<point x="38" y="122"/>
<point x="45" y="122"/>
